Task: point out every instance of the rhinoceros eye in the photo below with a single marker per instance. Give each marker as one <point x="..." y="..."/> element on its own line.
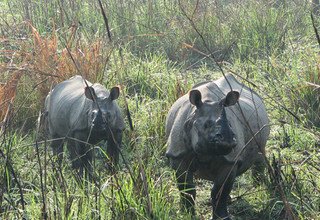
<point x="209" y="124"/>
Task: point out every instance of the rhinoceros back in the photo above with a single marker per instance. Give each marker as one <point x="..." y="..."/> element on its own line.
<point x="251" y="108"/>
<point x="67" y="107"/>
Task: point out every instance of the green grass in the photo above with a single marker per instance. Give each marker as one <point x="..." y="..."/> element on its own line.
<point x="157" y="54"/>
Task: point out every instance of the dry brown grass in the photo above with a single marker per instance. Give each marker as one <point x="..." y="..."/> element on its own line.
<point x="8" y="94"/>
<point x="46" y="60"/>
<point x="49" y="63"/>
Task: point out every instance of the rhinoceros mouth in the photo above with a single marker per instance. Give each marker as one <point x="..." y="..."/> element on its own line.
<point x="223" y="152"/>
<point x="99" y="128"/>
<point x="214" y="149"/>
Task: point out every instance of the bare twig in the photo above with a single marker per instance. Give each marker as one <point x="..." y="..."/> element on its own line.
<point x="313" y="84"/>
<point x="315" y="29"/>
<point x="105" y="20"/>
<point x="42" y="178"/>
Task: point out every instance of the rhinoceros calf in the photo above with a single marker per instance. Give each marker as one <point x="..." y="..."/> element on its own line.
<point x="215" y="133"/>
<point x="83" y="115"/>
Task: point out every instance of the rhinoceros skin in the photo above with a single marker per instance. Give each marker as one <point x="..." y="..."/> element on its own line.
<point x="195" y="126"/>
<point x="83" y="115"/>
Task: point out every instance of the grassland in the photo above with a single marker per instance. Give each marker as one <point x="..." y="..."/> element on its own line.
<point x="156" y="51"/>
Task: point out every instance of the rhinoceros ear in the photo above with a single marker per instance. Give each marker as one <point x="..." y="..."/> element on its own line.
<point x="114" y="93"/>
<point x="90" y="93"/>
<point x="231" y="99"/>
<point x="195" y="98"/>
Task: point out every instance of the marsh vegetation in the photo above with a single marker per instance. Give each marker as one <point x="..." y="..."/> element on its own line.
<point x="156" y="51"/>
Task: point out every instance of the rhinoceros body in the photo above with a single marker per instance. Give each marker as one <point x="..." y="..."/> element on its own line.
<point x="73" y="113"/>
<point x="216" y="133"/>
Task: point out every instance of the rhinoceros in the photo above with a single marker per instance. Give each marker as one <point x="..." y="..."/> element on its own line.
<point x="216" y="132"/>
<point x="83" y="116"/>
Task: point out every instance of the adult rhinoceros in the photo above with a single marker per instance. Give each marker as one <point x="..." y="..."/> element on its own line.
<point x="217" y="132"/>
<point x="83" y="115"/>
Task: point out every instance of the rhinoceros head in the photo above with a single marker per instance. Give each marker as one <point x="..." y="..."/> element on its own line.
<point x="209" y="129"/>
<point x="104" y="115"/>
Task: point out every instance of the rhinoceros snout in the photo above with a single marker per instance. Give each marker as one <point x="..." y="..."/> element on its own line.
<point x="223" y="145"/>
<point x="217" y="139"/>
<point x="227" y="144"/>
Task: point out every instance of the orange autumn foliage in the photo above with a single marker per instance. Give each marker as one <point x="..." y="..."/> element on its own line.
<point x="8" y="94"/>
<point x="49" y="65"/>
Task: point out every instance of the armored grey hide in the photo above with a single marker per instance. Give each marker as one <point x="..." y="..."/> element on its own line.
<point x="75" y="112"/>
<point x="216" y="132"/>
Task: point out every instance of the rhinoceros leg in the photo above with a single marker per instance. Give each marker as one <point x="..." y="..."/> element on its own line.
<point x="113" y="149"/>
<point x="220" y="193"/>
<point x="184" y="174"/>
<point x="113" y="154"/>
<point x="74" y="153"/>
<point x="187" y="189"/>
<point x="80" y="155"/>
<point x="86" y="159"/>
<point x="57" y="148"/>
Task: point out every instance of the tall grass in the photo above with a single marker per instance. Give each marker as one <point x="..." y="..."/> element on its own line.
<point x="250" y="28"/>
